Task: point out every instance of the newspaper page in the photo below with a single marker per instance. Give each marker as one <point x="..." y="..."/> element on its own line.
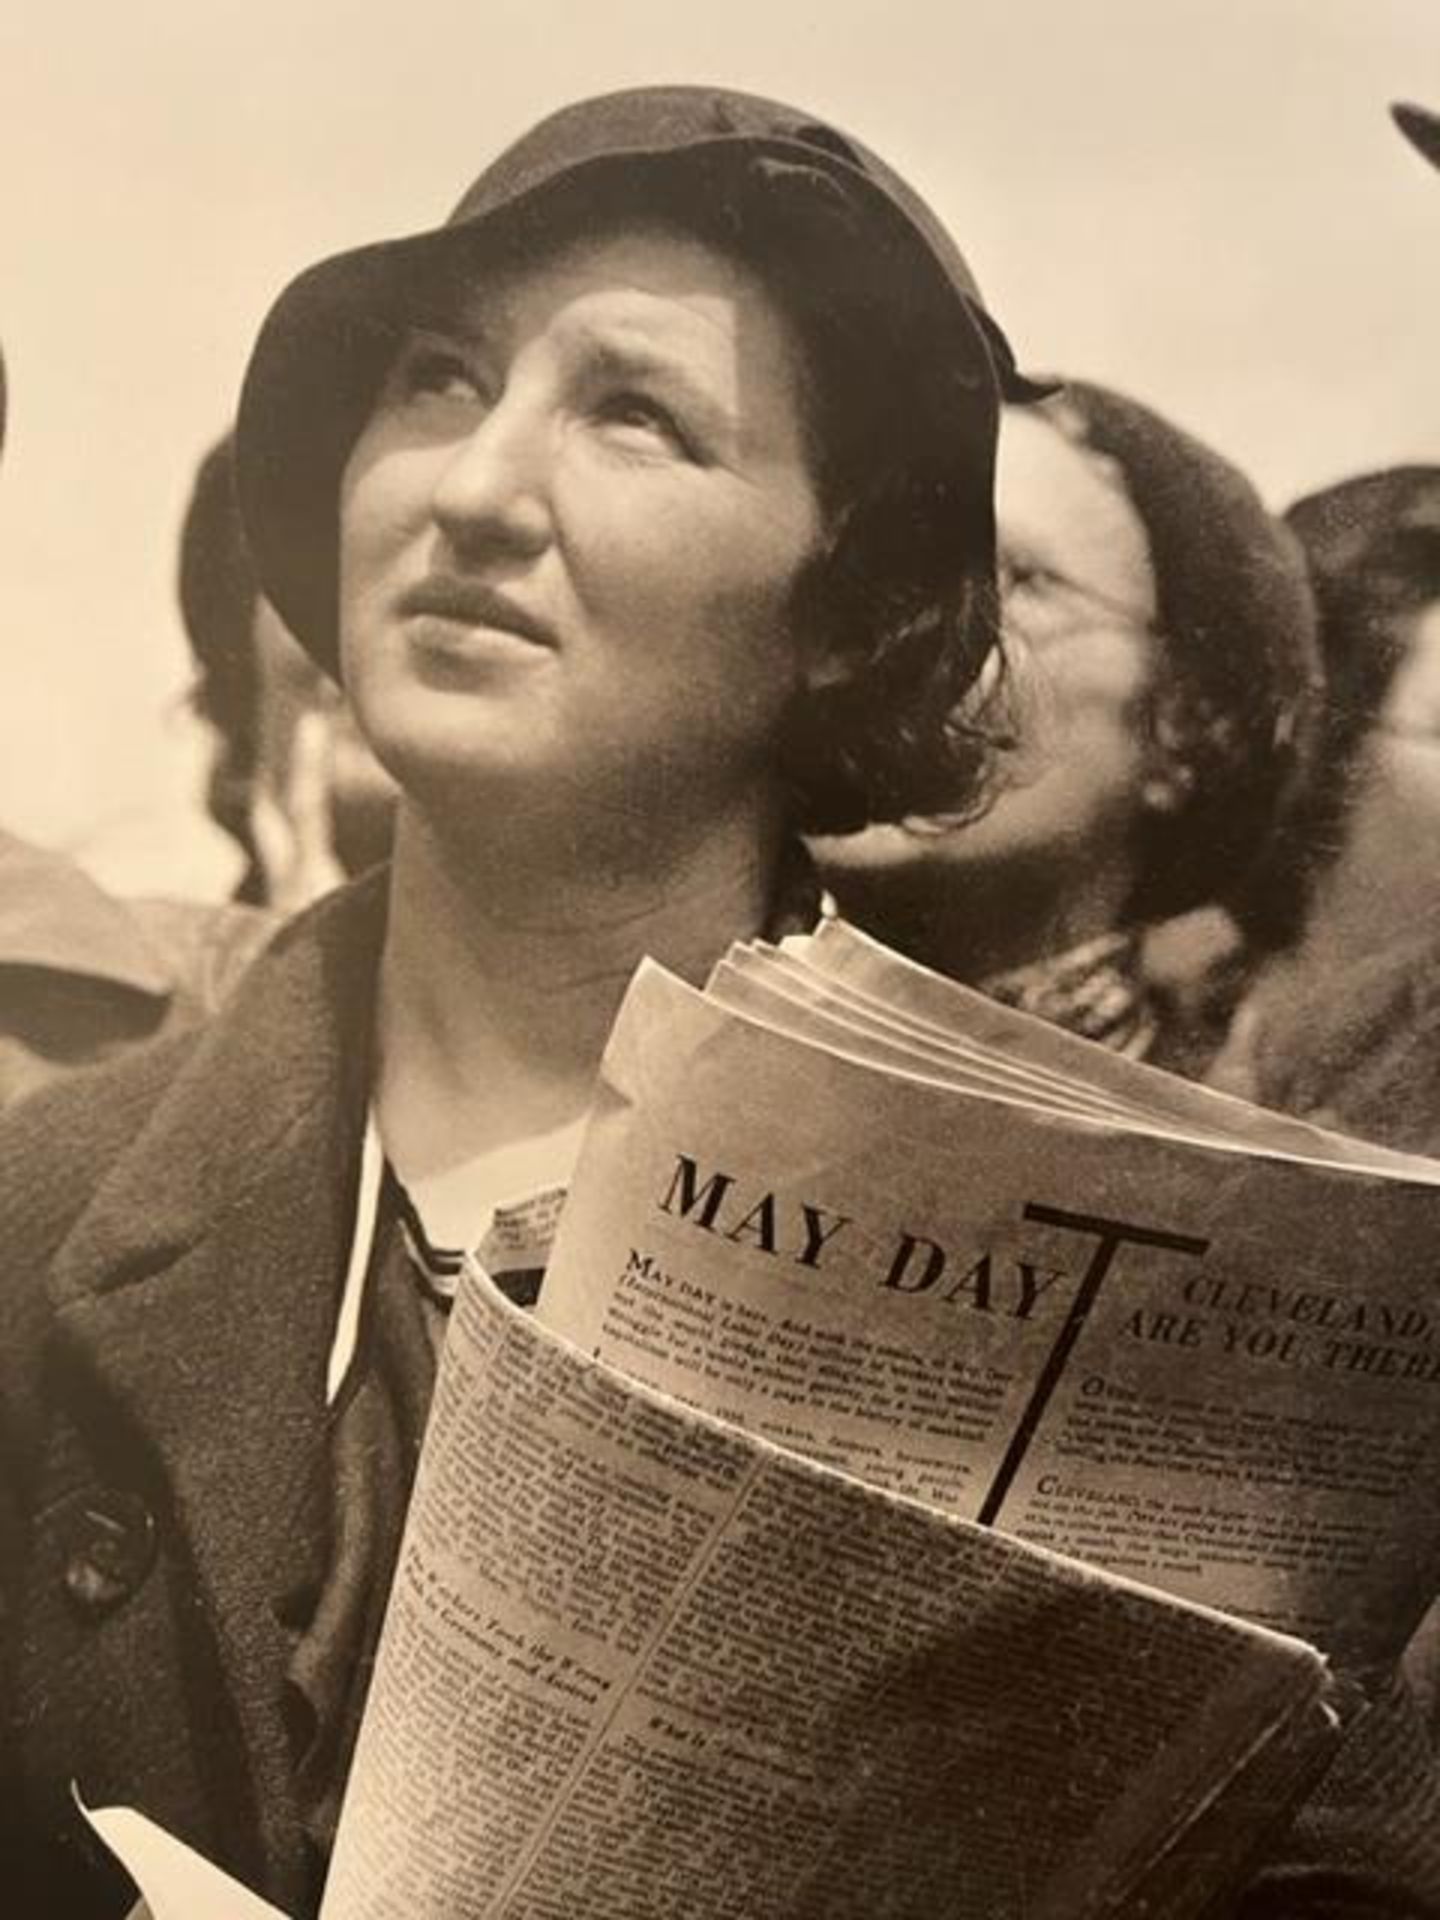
<point x="639" y="1664"/>
<point x="779" y="993"/>
<point x="1214" y="1371"/>
<point x="850" y="959"/>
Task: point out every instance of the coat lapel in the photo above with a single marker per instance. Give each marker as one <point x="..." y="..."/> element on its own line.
<point x="196" y="1298"/>
<point x="195" y="1301"/>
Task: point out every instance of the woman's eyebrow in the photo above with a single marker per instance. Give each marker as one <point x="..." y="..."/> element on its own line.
<point x="445" y="330"/>
<point x="637" y="359"/>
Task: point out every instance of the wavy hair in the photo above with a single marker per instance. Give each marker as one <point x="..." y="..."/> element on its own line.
<point x="218" y="596"/>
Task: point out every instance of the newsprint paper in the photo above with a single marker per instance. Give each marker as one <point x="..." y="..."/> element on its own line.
<point x="948" y="1470"/>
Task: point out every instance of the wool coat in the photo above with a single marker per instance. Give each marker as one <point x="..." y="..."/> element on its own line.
<point x="175" y="1229"/>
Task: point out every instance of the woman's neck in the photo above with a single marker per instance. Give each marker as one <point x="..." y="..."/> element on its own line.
<point x="504" y="966"/>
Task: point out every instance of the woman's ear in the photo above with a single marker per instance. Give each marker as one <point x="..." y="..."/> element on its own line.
<point x="1167" y="788"/>
<point x="1168" y="781"/>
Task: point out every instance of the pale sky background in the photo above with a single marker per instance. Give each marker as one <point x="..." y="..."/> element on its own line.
<point x="1201" y="201"/>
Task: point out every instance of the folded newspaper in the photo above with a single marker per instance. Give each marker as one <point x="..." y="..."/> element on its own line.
<point x="949" y="1469"/>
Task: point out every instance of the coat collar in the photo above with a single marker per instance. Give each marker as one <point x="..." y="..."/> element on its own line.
<point x="288" y="1060"/>
<point x="195" y="1300"/>
<point x="291" y="1051"/>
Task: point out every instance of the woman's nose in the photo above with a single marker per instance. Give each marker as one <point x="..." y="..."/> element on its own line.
<point x="493" y="491"/>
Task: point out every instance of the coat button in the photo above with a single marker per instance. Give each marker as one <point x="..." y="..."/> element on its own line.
<point x="109" y="1545"/>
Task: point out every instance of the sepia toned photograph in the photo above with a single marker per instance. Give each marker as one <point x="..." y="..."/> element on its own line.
<point x="720" y="961"/>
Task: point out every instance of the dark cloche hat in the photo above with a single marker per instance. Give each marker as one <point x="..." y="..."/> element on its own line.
<point x="1242" y="657"/>
<point x="858" y="237"/>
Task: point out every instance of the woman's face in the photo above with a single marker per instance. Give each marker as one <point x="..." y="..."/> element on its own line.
<point x="1412" y="701"/>
<point x="570" y="531"/>
<point x="1079" y="613"/>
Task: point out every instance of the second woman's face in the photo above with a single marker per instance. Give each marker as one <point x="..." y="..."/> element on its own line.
<point x="570" y="532"/>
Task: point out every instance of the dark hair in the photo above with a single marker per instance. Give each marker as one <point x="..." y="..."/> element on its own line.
<point x="903" y="591"/>
<point x="218" y="597"/>
<point x="1373" y="548"/>
<point x="892" y="736"/>
<point x="1234" y="703"/>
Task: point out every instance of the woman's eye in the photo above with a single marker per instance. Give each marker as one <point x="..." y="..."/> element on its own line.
<point x="436" y="371"/>
<point x="1022" y="577"/>
<point x="641" y="420"/>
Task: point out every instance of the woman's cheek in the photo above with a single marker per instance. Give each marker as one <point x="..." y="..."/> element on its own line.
<point x="643" y="568"/>
<point x="684" y="561"/>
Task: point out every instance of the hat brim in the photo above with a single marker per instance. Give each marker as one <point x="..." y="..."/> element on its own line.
<point x="326" y="342"/>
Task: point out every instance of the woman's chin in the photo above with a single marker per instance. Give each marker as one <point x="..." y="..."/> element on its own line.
<point x="445" y="759"/>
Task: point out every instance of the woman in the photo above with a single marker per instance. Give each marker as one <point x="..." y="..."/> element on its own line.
<point x="645" y="510"/>
<point x="630" y="574"/>
<point x="296" y="791"/>
<point x="1342" y="1024"/>
<point x="1159" y="686"/>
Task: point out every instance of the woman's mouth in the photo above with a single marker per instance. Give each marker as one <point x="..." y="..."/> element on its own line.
<point x="449" y="608"/>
